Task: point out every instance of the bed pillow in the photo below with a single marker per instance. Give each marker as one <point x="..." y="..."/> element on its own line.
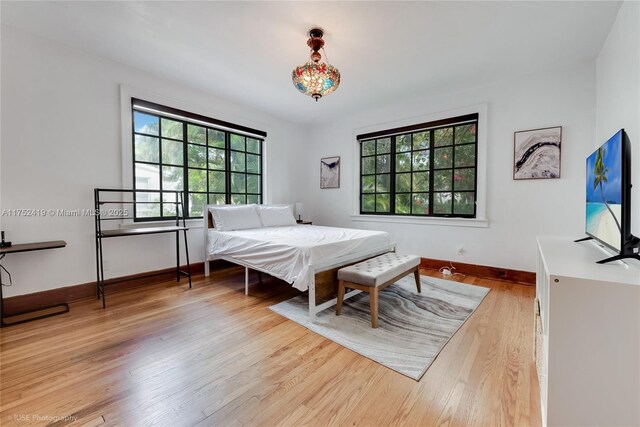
<point x="274" y="216"/>
<point x="235" y="217"/>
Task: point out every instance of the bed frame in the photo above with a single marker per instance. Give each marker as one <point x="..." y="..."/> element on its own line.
<point x="323" y="280"/>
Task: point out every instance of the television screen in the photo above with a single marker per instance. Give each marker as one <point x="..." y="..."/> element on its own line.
<point x="604" y="193"/>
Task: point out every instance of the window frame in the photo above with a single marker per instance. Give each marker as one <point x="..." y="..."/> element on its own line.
<point x="209" y="124"/>
<point x="474" y="113"/>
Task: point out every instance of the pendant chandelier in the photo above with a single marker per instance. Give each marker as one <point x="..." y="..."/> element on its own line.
<point x="316" y="78"/>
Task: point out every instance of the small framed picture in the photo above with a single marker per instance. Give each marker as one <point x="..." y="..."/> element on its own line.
<point x="330" y="172"/>
<point x="536" y="153"/>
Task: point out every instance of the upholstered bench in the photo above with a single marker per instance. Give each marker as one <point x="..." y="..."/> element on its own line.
<point x="375" y="274"/>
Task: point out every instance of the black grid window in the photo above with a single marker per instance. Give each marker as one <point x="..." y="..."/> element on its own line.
<point x="177" y="150"/>
<point x="422" y="170"/>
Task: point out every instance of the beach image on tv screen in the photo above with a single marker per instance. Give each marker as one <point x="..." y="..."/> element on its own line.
<point x="604" y="192"/>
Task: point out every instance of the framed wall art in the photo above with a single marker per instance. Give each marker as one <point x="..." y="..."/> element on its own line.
<point x="536" y="153"/>
<point x="330" y="172"/>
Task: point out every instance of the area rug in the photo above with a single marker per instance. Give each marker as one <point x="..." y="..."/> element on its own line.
<point x="412" y="328"/>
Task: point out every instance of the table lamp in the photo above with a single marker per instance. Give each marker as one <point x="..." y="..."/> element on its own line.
<point x="299" y="208"/>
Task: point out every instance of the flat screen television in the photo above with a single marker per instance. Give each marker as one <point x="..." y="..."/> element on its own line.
<point x="608" y="207"/>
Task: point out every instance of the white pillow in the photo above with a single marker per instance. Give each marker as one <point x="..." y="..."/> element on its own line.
<point x="235" y="217"/>
<point x="274" y="216"/>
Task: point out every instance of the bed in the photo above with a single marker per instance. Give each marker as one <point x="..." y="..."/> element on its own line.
<point x="306" y="256"/>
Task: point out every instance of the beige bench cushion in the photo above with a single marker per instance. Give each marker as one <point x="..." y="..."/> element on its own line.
<point x="379" y="270"/>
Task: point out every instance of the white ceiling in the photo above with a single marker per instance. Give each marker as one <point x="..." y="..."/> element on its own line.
<point x="245" y="51"/>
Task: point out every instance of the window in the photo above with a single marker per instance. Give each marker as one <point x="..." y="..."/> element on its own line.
<point x="422" y="170"/>
<point x="208" y="160"/>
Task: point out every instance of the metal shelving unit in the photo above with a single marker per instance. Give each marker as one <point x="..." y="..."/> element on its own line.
<point x="100" y="234"/>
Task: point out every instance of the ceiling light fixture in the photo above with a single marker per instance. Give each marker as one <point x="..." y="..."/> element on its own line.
<point x="316" y="78"/>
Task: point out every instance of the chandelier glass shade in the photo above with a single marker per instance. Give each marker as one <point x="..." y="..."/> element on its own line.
<point x="315" y="78"/>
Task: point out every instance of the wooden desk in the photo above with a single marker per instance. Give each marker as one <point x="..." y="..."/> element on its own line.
<point x="30" y="247"/>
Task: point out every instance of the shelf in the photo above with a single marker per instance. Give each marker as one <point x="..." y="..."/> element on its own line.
<point x="28" y="247"/>
<point x="135" y="202"/>
<point x="140" y="231"/>
<point x="137" y="190"/>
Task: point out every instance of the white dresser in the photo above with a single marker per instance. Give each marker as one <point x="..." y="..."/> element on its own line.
<point x="590" y="368"/>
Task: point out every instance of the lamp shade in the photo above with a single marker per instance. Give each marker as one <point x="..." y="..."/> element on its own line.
<point x="299" y="208"/>
<point x="316" y="79"/>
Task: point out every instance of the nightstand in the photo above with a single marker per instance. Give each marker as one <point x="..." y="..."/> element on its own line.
<point x="301" y="221"/>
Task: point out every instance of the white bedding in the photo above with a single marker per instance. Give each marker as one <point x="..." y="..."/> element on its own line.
<point x="288" y="252"/>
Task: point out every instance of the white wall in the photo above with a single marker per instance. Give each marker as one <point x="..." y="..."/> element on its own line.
<point x="618" y="92"/>
<point x="61" y="137"/>
<point x="517" y="210"/>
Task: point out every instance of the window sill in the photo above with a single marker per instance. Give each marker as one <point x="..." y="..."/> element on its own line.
<point x="449" y="222"/>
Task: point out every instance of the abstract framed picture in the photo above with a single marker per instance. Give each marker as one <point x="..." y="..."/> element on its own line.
<point x="536" y="153"/>
<point x="330" y="172"/>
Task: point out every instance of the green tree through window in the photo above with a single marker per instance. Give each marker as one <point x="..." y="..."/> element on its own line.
<point x="207" y="164"/>
<point x="422" y="170"/>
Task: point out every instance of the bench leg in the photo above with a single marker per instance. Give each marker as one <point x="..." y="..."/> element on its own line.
<point x="373" y="298"/>
<point x="416" y="274"/>
<point x="340" y="297"/>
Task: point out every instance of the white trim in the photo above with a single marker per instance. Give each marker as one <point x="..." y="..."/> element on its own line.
<point x="481" y="192"/>
<point x="398" y="219"/>
<point x="126" y="126"/>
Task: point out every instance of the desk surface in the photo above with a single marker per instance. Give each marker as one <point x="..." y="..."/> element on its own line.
<point x="140" y="231"/>
<point x="35" y="246"/>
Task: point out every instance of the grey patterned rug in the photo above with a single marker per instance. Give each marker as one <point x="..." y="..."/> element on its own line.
<point x="412" y="328"/>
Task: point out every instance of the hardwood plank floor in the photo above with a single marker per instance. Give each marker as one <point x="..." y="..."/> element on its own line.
<point x="167" y="355"/>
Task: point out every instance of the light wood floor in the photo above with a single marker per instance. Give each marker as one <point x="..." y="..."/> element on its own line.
<point x="167" y="355"/>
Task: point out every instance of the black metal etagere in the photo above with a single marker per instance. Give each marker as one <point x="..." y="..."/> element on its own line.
<point x="180" y="225"/>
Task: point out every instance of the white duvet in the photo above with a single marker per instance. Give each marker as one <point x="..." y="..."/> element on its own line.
<point x="288" y="252"/>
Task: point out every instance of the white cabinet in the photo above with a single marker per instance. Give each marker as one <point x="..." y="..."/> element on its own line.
<point x="590" y="368"/>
